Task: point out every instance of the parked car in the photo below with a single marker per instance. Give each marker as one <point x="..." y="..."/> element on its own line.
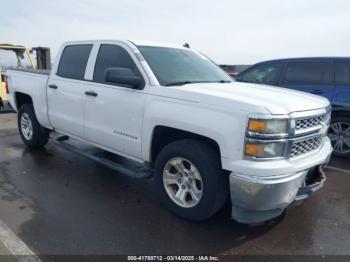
<point x="172" y="109"/>
<point x="328" y="77"/>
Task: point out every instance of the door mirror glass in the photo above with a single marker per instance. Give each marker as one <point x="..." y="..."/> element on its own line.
<point x="123" y="76"/>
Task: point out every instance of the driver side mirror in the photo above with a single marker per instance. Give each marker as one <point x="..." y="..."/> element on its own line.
<point x="123" y="76"/>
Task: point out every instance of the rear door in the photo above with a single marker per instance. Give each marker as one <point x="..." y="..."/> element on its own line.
<point x="342" y="81"/>
<point x="312" y="76"/>
<point x="66" y="88"/>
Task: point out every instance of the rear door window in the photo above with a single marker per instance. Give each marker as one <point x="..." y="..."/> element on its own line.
<point x="308" y="73"/>
<point x="342" y="73"/>
<point x="263" y="74"/>
<point x="73" y="61"/>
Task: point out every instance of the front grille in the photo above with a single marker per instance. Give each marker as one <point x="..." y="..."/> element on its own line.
<point x="310" y="122"/>
<point x="305" y="146"/>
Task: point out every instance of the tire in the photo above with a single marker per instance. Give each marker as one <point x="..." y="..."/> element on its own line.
<point x="340" y="131"/>
<point x="31" y="132"/>
<point x="213" y="184"/>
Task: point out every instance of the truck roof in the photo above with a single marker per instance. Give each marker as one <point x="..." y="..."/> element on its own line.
<point x="135" y="42"/>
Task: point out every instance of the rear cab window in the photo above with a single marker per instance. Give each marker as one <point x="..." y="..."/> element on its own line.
<point x="308" y="73"/>
<point x="73" y="61"/>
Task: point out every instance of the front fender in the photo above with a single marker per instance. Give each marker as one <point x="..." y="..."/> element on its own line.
<point x="219" y="124"/>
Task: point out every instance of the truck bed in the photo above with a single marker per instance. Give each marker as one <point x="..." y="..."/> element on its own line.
<point x="34" y="71"/>
<point x="33" y="84"/>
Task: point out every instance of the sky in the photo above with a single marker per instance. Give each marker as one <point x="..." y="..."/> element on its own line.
<point x="229" y="32"/>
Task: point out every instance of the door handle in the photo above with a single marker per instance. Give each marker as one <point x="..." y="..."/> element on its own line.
<point x="53" y="86"/>
<point x="91" y="93"/>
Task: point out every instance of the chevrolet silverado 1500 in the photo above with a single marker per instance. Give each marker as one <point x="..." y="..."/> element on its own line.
<point x="205" y="136"/>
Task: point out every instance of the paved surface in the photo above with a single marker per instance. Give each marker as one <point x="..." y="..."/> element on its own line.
<point x="60" y="203"/>
<point x="8" y="121"/>
<point x="6" y="107"/>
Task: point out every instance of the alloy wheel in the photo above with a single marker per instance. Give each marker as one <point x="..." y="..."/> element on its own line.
<point x="339" y="134"/>
<point x="183" y="182"/>
<point x="26" y="126"/>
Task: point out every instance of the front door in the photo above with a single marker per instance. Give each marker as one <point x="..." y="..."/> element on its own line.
<point x="265" y="73"/>
<point x="114" y="113"/>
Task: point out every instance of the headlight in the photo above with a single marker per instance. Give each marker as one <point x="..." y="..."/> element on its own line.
<point x="263" y="137"/>
<point x="268" y="126"/>
<point x="265" y="149"/>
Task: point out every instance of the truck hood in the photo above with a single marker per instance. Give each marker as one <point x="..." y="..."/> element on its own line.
<point x="246" y="96"/>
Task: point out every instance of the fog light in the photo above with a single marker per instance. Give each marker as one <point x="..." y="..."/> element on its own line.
<point x="264" y="150"/>
<point x="253" y="149"/>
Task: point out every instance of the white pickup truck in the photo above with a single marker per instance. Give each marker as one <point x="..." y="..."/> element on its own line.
<point x="169" y="107"/>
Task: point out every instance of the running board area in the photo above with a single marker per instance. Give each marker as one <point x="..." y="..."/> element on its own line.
<point x="118" y="163"/>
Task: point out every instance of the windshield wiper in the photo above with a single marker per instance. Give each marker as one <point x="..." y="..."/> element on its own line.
<point x="223" y="81"/>
<point x="180" y="83"/>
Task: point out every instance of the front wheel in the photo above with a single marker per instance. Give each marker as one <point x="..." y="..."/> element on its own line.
<point x="339" y="134"/>
<point x="190" y="179"/>
<point x="31" y="132"/>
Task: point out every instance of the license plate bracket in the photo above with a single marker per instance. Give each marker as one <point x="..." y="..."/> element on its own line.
<point x="313" y="182"/>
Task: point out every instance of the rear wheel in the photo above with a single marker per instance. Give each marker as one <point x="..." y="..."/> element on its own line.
<point x="339" y="134"/>
<point x="190" y="179"/>
<point x="31" y="132"/>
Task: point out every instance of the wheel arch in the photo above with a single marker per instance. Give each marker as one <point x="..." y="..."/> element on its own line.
<point x="21" y="99"/>
<point x="163" y="135"/>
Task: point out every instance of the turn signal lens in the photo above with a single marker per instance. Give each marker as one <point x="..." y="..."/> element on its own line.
<point x="268" y="126"/>
<point x="256" y="125"/>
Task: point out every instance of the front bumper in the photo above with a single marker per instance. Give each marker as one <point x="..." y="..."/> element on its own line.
<point x="259" y="198"/>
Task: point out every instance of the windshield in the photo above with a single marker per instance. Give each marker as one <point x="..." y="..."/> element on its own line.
<point x="176" y="66"/>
